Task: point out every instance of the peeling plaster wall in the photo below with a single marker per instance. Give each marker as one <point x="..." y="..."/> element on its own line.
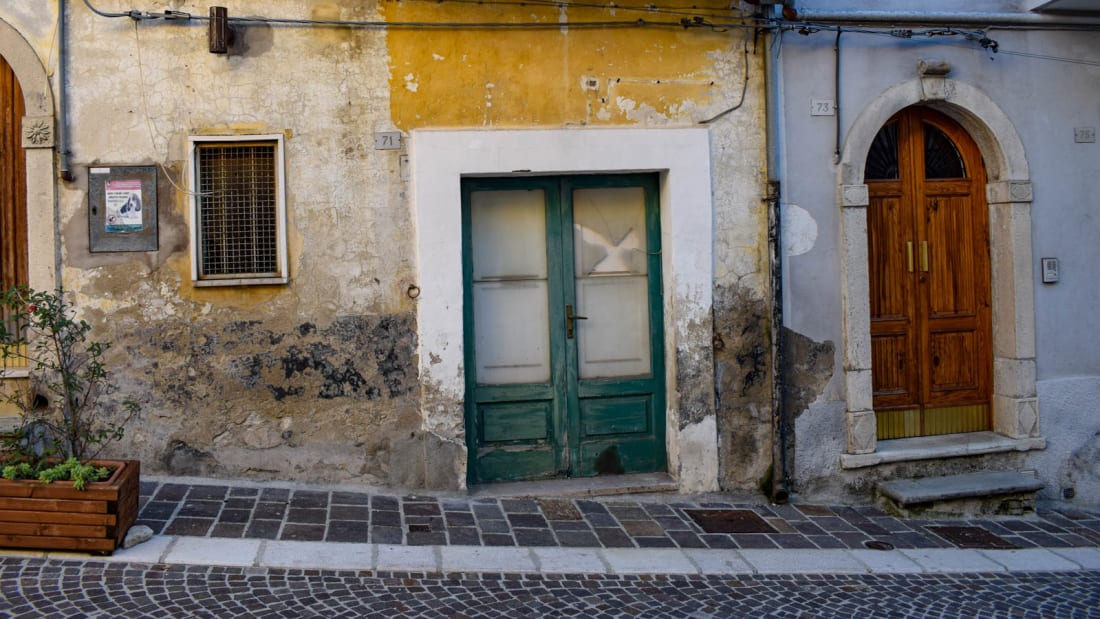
<point x="315" y="380"/>
<point x="329" y="378"/>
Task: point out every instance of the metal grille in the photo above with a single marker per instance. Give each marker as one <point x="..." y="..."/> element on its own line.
<point x="238" y="210"/>
<point x="16" y="356"/>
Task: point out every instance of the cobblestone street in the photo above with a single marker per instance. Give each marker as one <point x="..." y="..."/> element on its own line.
<point x="269" y="550"/>
<point x="51" y="588"/>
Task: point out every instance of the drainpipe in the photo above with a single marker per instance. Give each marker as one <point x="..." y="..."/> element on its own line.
<point x="64" y="168"/>
<point x="931" y="18"/>
<point x="781" y="475"/>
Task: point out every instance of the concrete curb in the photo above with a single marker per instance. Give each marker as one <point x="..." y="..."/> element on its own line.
<point x="553" y="560"/>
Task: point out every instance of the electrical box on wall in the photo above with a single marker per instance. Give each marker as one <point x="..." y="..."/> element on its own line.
<point x="1050" y="270"/>
<point x="122" y="208"/>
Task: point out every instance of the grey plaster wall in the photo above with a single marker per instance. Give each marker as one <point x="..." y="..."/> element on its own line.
<point x="1048" y="84"/>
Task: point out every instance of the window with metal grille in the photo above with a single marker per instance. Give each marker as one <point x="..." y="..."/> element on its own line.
<point x="238" y="210"/>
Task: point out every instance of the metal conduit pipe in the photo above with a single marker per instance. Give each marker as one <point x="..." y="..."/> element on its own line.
<point x="781" y="482"/>
<point x="64" y="169"/>
<point x="943" y="18"/>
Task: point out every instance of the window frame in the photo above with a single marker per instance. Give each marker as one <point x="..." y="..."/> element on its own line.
<point x="198" y="279"/>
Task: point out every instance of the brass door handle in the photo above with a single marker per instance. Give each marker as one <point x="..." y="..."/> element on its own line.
<point x="570" y="321"/>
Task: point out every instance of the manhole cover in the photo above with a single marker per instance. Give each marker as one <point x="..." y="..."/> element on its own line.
<point x="971" y="537"/>
<point x="875" y="544"/>
<point x="729" y="521"/>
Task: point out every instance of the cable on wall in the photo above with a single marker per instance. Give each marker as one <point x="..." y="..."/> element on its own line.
<point x="696" y="21"/>
<point x="744" y="89"/>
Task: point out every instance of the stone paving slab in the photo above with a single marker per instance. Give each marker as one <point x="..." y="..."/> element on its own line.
<point x="1087" y="558"/>
<point x="787" y="562"/>
<point x="952" y="560"/>
<point x="210" y="551"/>
<point x="1031" y="559"/>
<point x="268" y="512"/>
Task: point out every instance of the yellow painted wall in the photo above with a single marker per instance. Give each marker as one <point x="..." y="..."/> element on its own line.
<point x="566" y="74"/>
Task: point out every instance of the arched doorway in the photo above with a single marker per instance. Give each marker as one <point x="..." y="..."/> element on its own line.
<point x="1014" y="403"/>
<point x="13" y="181"/>
<point x="929" y="278"/>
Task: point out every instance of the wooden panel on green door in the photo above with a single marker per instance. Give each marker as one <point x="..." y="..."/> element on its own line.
<point x="623" y="415"/>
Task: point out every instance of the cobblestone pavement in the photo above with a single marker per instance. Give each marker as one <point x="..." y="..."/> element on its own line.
<point x="74" y="588"/>
<point x="275" y="513"/>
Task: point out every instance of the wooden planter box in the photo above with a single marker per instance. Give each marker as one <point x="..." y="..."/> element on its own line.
<point x="56" y="516"/>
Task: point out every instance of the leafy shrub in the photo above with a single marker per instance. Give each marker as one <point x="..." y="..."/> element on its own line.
<point x="62" y="414"/>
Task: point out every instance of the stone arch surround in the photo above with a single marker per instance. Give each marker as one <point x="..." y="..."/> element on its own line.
<point x="1009" y="196"/>
<point x="41" y="179"/>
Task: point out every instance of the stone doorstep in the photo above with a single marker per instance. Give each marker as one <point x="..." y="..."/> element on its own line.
<point x="600" y="486"/>
<point x="987" y="492"/>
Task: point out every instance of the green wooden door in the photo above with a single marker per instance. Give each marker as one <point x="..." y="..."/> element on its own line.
<point x="564" y="352"/>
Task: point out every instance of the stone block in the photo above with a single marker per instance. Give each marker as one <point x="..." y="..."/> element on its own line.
<point x="984" y="493"/>
<point x="862" y="432"/>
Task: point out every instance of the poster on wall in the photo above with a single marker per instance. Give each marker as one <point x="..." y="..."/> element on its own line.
<point x="123" y="206"/>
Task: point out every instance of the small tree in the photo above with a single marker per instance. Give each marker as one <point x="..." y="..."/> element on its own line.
<point x="62" y="413"/>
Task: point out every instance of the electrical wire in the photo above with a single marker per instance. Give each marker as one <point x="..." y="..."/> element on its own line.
<point x="744" y="89"/>
<point x="149" y="118"/>
<point x="685" y="10"/>
<point x="695" y="21"/>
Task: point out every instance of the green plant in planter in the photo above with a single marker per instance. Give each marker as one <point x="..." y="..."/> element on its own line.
<point x="63" y="417"/>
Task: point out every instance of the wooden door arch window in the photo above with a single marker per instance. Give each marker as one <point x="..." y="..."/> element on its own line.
<point x="928" y="253"/>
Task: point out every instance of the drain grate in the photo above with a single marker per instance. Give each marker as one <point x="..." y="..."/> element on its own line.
<point x="729" y="521"/>
<point x="971" y="537"/>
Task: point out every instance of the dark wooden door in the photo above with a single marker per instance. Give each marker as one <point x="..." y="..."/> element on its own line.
<point x="928" y="248"/>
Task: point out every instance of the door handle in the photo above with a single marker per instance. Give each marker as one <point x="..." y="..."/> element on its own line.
<point x="570" y="321"/>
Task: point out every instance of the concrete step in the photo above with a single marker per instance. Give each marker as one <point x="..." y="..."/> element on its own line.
<point x="604" y="485"/>
<point x="987" y="493"/>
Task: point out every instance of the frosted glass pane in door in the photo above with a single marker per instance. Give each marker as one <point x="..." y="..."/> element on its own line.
<point x="511" y="316"/>
<point x="508" y="234"/>
<point x="610" y="258"/>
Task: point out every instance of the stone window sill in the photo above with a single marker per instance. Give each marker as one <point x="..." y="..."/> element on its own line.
<point x="936" y="447"/>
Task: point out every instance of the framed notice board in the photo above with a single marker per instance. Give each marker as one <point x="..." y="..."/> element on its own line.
<point x="122" y="208"/>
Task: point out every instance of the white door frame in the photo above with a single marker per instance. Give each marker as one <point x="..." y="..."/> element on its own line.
<point x="439" y="160"/>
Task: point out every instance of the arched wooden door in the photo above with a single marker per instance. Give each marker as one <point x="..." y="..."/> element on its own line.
<point x="13" y="202"/>
<point x="13" y="181"/>
<point x="928" y="247"/>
